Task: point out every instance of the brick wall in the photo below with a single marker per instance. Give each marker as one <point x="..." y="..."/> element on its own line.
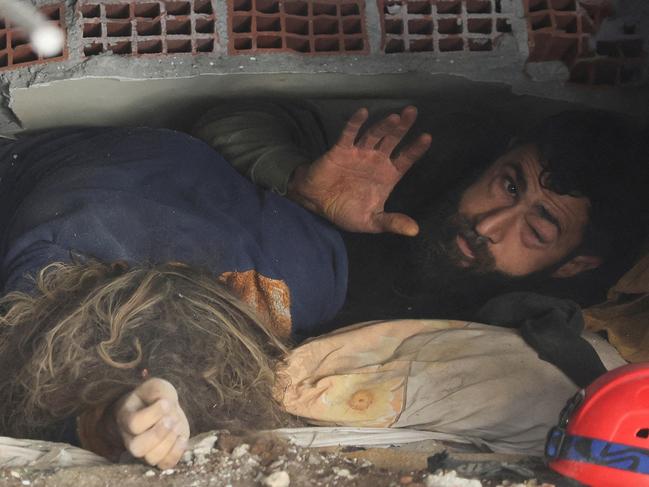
<point x="555" y="30"/>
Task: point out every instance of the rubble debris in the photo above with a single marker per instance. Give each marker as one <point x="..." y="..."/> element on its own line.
<point x="277" y="479"/>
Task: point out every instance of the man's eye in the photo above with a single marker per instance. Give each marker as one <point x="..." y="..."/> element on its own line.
<point x="538" y="236"/>
<point x="511" y="187"/>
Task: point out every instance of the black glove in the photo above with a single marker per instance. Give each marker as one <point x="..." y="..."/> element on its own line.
<point x="552" y="327"/>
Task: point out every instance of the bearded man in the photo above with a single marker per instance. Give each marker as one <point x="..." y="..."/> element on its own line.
<point x="560" y="212"/>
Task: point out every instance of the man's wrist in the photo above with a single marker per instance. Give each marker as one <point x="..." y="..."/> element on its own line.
<point x="297" y="184"/>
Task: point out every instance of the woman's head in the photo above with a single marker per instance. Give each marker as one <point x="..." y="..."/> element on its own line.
<point x="90" y="332"/>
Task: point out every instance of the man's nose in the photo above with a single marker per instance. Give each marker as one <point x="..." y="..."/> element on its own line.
<point x="494" y="224"/>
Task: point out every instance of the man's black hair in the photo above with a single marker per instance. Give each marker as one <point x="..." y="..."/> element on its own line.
<point x="598" y="155"/>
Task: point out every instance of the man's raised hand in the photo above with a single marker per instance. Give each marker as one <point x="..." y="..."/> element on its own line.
<point x="350" y="183"/>
<point x="152" y="424"/>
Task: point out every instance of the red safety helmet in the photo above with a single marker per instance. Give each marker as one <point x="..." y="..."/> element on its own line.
<point x="603" y="435"/>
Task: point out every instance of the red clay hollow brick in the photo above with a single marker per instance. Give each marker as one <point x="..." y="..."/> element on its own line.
<point x="564" y="29"/>
<point x="557" y="30"/>
<point x="300" y="26"/>
<point x="15" y="48"/>
<point x="442" y="25"/>
<point x="609" y="71"/>
<point x="148" y="27"/>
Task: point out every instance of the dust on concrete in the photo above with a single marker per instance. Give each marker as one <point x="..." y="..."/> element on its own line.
<point x="222" y="459"/>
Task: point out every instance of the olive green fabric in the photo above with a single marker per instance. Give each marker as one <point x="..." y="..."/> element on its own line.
<point x="264" y="140"/>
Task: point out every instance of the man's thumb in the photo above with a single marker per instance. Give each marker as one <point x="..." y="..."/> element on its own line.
<point x="400" y="224"/>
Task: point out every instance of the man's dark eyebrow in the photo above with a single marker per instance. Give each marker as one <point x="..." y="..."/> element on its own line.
<point x="545" y="214"/>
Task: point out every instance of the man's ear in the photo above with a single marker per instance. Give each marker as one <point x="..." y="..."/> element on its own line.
<point x="576" y="265"/>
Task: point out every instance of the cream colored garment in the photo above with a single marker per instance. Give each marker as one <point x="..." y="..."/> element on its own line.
<point x="466" y="381"/>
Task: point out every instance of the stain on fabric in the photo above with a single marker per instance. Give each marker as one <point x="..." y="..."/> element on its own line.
<point x="361" y="400"/>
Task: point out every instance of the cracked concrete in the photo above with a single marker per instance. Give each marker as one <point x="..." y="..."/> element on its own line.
<point x="160" y="89"/>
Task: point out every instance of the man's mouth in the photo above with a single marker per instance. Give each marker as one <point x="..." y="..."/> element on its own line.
<point x="464" y="247"/>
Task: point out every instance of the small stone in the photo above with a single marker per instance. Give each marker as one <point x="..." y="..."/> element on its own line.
<point x="450" y="479"/>
<point x="187" y="457"/>
<point x="406" y="480"/>
<point x="277" y="479"/>
<point x="253" y="58"/>
<point x="149" y="473"/>
<point x="205" y="445"/>
<point x="200" y="460"/>
<point x="26" y="482"/>
<point x="169" y="471"/>
<point x="314" y="459"/>
<point x="227" y="442"/>
<point x="276" y="464"/>
<point x="15" y="474"/>
<point x="343" y="472"/>
<point x="241" y="450"/>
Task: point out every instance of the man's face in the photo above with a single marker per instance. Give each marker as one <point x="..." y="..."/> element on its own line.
<point x="507" y="222"/>
<point x="498" y="233"/>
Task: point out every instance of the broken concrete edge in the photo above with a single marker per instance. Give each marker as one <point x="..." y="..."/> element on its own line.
<point x="411" y="76"/>
<point x="504" y="64"/>
<point x="489" y="67"/>
<point x="9" y="123"/>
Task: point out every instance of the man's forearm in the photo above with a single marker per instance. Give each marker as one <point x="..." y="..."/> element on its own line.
<point x="266" y="141"/>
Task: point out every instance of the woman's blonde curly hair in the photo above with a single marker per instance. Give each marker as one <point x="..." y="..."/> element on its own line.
<point x="91" y="332"/>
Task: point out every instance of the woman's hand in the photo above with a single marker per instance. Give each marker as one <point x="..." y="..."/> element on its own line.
<point x="152" y="424"/>
<point x="350" y="183"/>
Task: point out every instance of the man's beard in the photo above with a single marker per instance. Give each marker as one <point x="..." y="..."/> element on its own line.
<point x="433" y="277"/>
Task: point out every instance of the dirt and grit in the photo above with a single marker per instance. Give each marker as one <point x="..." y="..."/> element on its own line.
<point x="224" y="460"/>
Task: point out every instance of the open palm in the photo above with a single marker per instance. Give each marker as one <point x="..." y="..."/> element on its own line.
<point x="350" y="183"/>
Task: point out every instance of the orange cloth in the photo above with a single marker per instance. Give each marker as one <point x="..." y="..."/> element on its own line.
<point x="625" y="314"/>
<point x="271" y="298"/>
